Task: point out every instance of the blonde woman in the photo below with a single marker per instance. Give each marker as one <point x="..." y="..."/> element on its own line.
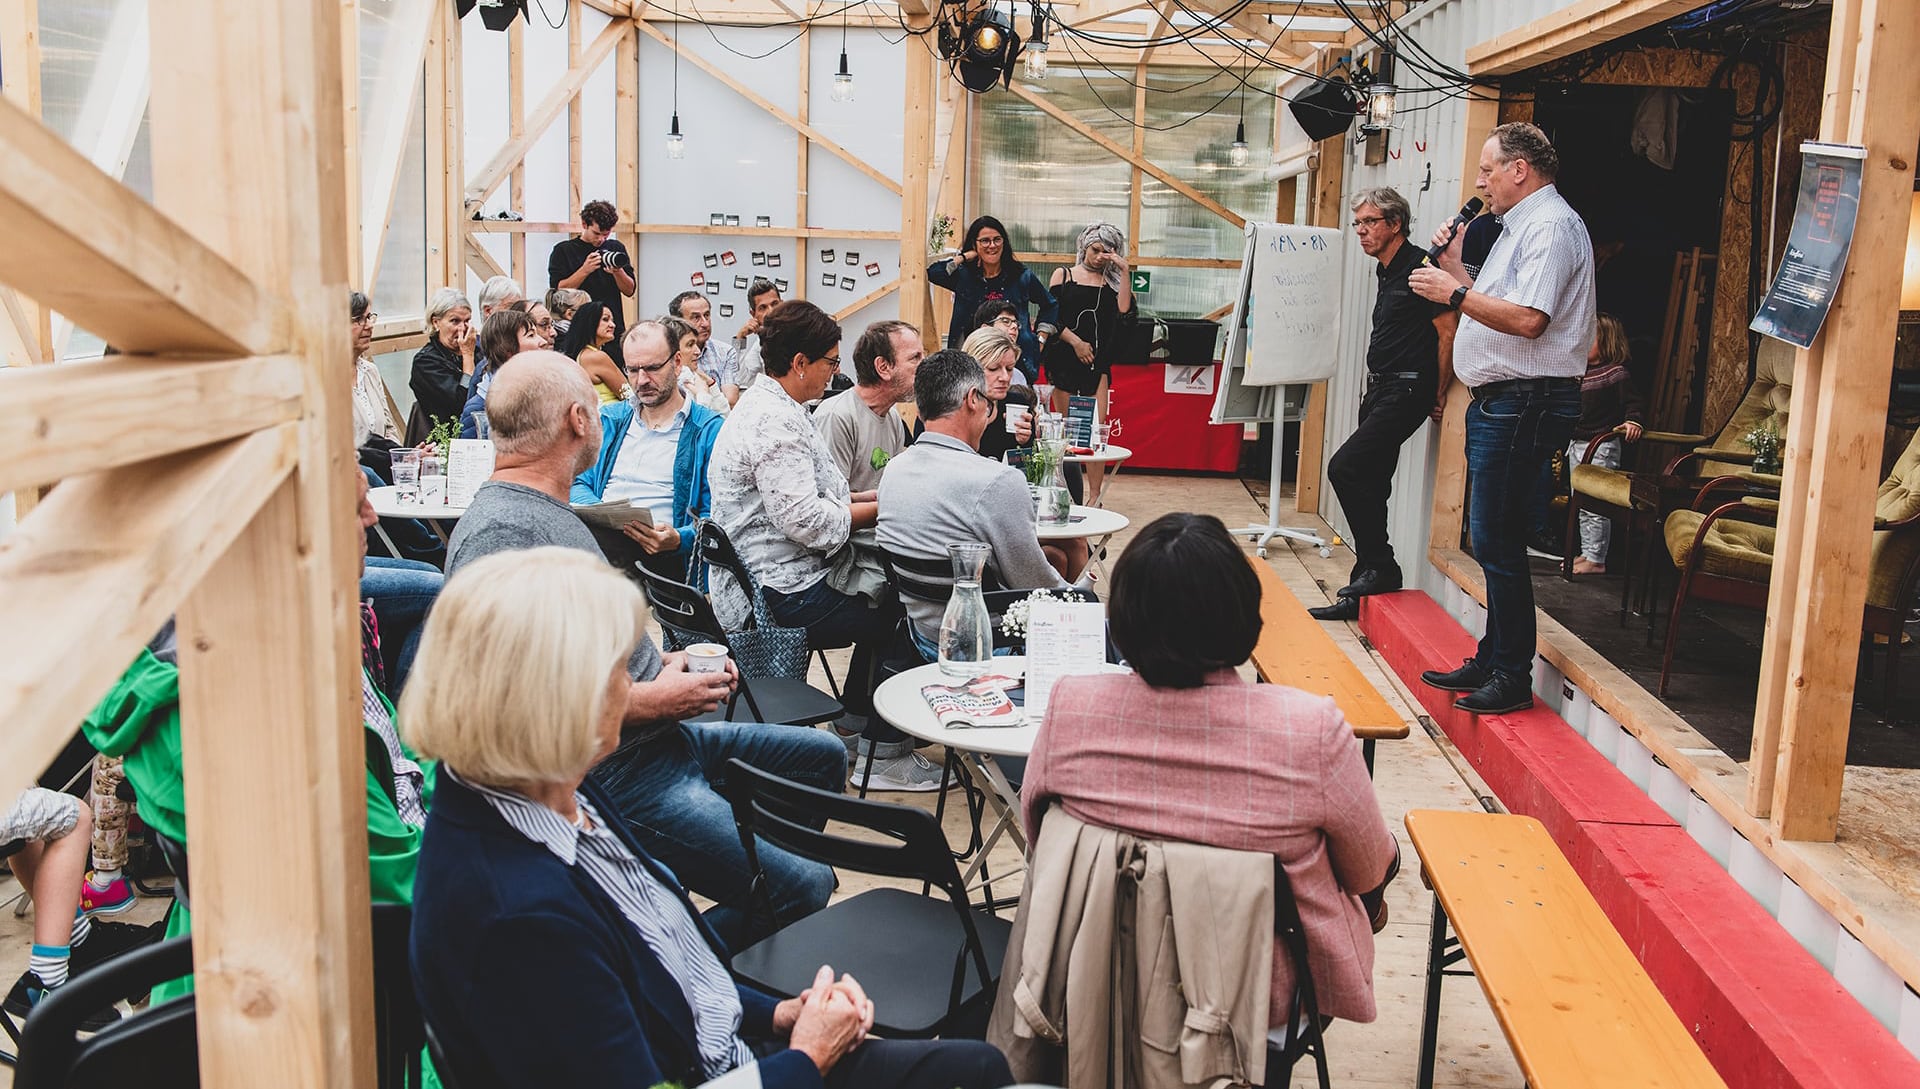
<point x="999" y="355"/>
<point x="530" y="884"/>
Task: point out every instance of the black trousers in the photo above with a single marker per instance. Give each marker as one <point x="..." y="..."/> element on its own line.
<point x="1361" y="471"/>
<point x="921" y="1064"/>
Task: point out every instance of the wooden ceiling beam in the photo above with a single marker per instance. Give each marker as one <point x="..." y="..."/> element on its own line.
<point x="495" y="172"/>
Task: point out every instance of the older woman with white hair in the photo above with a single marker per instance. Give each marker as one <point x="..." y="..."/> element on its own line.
<point x="443" y="366"/>
<point x="548" y="947"/>
<point x="1095" y="300"/>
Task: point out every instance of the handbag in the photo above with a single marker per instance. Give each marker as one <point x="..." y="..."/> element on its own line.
<point x="762" y="648"/>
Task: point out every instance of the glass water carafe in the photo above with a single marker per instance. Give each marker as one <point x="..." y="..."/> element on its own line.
<point x="966" y="631"/>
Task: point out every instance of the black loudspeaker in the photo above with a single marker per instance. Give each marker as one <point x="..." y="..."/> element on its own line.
<point x="1327" y="110"/>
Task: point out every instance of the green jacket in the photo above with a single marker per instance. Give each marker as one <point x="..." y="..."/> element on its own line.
<point x="139" y="721"/>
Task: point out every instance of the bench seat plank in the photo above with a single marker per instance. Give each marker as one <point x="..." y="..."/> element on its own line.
<point x="1295" y="650"/>
<point x="1576" y="1007"/>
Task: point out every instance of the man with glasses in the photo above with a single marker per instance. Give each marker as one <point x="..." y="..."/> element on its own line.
<point x="1409" y="367"/>
<point x="654" y="449"/>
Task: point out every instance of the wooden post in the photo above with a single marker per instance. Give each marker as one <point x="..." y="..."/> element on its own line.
<point x="349" y="13"/>
<point x="916" y="157"/>
<point x="26" y="330"/>
<point x="1325" y="211"/>
<point x="1832" y="469"/>
<point x="272" y="740"/>
<point x="626" y="157"/>
<point x="802" y="171"/>
<point x="1450" y="461"/>
<point x="951" y="199"/>
<point x="445" y="162"/>
<point x="516" y="125"/>
<point x="576" y="124"/>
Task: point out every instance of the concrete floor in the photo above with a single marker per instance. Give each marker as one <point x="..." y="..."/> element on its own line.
<point x="1417" y="773"/>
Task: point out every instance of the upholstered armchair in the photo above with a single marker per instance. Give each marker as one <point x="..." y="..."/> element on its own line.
<point x="1725" y="554"/>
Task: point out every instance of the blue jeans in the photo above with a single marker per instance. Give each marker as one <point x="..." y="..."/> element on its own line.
<point x="1509" y="436"/>
<point x="667" y="790"/>
<point x="834" y="619"/>
<point x="401" y="591"/>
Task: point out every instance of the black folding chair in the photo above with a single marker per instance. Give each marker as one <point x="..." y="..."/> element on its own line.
<point x="685" y="611"/>
<point x="1303" y="1035"/>
<point x="12" y="1030"/>
<point x="888" y="937"/>
<point x="154" y="1048"/>
<point x="718" y="549"/>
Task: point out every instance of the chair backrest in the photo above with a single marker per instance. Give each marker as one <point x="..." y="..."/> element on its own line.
<point x="713" y="545"/>
<point x="155" y="1048"/>
<point x="681" y="609"/>
<point x="927" y="580"/>
<point x="1766" y="400"/>
<point x="399" y="1033"/>
<point x="175" y="854"/>
<point x="914" y="848"/>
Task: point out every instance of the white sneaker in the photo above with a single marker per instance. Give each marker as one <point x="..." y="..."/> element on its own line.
<point x="911" y="773"/>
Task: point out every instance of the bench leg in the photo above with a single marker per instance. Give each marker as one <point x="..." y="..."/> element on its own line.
<point x="1366" y="753"/>
<point x="1430" y="1012"/>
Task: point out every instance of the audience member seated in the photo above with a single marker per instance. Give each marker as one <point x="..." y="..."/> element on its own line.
<point x="561" y="303"/>
<point x="546" y="432"/>
<point x="699" y="389"/>
<point x="586" y="343"/>
<point x="372" y="419"/>
<point x="441" y="367"/>
<point x="400" y="591"/>
<point x="762" y="296"/>
<point x="549" y="947"/>
<point x="717" y="361"/>
<point x="999" y="358"/>
<point x="503" y="335"/>
<point x="788" y="510"/>
<point x="654" y="449"/>
<point x="1183" y="748"/>
<point x="862" y="427"/>
<point x="53" y="830"/>
<point x="139" y="721"/>
<point x="940" y="492"/>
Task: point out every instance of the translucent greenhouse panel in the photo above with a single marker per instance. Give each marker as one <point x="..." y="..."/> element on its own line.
<point x="1040" y="178"/>
<point x="401" y="288"/>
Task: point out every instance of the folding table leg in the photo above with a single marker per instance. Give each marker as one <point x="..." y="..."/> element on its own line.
<point x="1430" y="1012"/>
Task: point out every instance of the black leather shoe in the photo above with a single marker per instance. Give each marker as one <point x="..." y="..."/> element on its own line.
<point x="1374" y="580"/>
<point x="1468" y="678"/>
<point x="1498" y="696"/>
<point x="1346" y="608"/>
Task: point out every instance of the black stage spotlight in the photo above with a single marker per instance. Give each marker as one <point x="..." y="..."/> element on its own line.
<point x="1326" y="110"/>
<point x="987" y="49"/>
<point x="495" y="14"/>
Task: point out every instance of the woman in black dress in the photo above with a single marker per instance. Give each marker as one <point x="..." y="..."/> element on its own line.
<point x="1094" y="299"/>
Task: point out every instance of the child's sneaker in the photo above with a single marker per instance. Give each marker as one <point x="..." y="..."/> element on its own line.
<point x="29" y="992"/>
<point x="114" y="899"/>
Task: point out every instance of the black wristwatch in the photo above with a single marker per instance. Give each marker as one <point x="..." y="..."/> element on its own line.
<point x="1459" y="296"/>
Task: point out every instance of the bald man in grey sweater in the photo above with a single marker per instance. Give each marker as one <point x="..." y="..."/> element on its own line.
<point x="940" y="491"/>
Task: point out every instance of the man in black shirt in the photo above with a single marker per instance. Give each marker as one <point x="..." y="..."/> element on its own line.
<point x="1409" y="367"/>
<point x="595" y="262"/>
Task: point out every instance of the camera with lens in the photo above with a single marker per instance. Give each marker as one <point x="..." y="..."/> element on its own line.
<point x="615" y="257"/>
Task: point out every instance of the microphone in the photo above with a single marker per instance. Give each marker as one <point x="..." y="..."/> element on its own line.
<point x="1467" y="213"/>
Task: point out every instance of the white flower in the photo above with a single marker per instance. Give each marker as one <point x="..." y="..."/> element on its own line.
<point x="1013" y="622"/>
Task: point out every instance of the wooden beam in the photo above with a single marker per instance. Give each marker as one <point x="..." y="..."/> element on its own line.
<point x="950" y="196"/>
<point x="779" y="114"/>
<point x="1095" y="10"/>
<point x="497" y="226"/>
<point x="1144" y="262"/>
<point x="1172" y="182"/>
<point x="489" y="177"/>
<point x="481" y="261"/>
<point x="626" y="155"/>
<point x="282" y="969"/>
<point x="867" y="300"/>
<point x="1840" y="389"/>
<point x="89" y="247"/>
<point x="151" y="531"/>
<point x="51" y="419"/>
<point x="445" y="160"/>
<point x="1450" y="458"/>
<point x="517" y="127"/>
<point x="916" y="307"/>
<point x="576" y="113"/>
<point x="1570" y="30"/>
<point x="1136" y="180"/>
<point x="803" y="171"/>
<point x="26" y="337"/>
<point x="619" y="9"/>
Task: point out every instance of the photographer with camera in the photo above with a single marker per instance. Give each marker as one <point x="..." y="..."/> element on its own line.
<point x="595" y="262"/>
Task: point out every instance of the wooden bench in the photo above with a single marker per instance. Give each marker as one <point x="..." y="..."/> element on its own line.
<point x="1295" y="649"/>
<point x="1576" y="1007"/>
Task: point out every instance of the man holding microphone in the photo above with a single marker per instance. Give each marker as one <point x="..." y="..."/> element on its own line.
<point x="1526" y="322"/>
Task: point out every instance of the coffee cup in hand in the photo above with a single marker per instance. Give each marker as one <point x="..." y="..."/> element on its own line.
<point x="706" y="658"/>
<point x="1015" y="413"/>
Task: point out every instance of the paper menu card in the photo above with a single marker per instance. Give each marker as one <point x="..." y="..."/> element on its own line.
<point x="469" y="465"/>
<point x="1064" y="639"/>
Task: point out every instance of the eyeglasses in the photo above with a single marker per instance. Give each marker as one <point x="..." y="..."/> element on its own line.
<point x="1007" y="320"/>
<point x="1365" y="222"/>
<point x="367" y="319"/>
<point x="635" y="372"/>
<point x="547" y="324"/>
<point x="986" y="241"/>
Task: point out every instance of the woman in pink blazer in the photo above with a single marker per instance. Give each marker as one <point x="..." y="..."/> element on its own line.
<point x="1183" y="749"/>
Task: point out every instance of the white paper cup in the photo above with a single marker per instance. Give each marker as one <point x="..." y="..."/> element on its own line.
<point x="433" y="489"/>
<point x="1015" y="413"/>
<point x="706" y="658"/>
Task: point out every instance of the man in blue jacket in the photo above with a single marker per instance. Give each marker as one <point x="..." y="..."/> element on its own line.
<point x="660" y="464"/>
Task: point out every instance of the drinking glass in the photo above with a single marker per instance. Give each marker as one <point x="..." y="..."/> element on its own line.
<point x="406" y="475"/>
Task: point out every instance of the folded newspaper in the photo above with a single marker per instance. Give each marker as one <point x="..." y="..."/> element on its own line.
<point x="614" y="513"/>
<point x="981" y="703"/>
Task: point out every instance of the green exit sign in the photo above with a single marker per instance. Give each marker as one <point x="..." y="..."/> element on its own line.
<point x="1142" y="282"/>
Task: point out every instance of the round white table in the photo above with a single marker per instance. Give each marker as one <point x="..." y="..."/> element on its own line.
<point x="1110" y="456"/>
<point x="1085" y="522"/>
<point x="898" y="701"/>
<point x="388" y="504"/>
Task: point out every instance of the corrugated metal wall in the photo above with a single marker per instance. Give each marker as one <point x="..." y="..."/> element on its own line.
<point x="1426" y="151"/>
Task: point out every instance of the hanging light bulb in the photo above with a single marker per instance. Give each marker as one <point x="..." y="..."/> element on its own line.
<point x="1036" y="55"/>
<point x="1380" y="98"/>
<point x="843" y="81"/>
<point x="676" y="143"/>
<point x="1237" y="152"/>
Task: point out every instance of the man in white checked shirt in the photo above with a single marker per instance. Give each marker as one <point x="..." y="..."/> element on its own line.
<point x="1526" y="322"/>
